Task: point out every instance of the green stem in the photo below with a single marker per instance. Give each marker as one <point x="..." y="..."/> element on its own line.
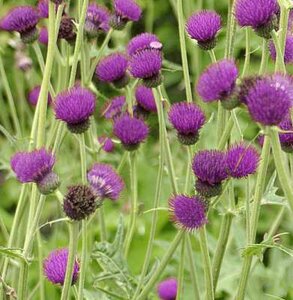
<point x="181" y="269"/>
<point x="280" y="64"/>
<point x="212" y="56"/>
<point x="231" y="30"/>
<point x="247" y="52"/>
<point x="149" y="20"/>
<point x="40" y="262"/>
<point x="264" y="57"/>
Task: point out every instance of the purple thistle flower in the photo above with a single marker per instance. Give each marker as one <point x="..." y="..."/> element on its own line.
<point x="218" y="81"/>
<point x="114" y="108"/>
<point x="146" y="65"/>
<point x="203" y="27"/>
<point x="22" y="19"/>
<point x="67" y="30"/>
<point x="141" y="42"/>
<point x="43" y="36"/>
<point x="130" y="131"/>
<point x="269" y="100"/>
<point x="286" y="139"/>
<point x="75" y="107"/>
<point x="43" y="8"/>
<point x="288" y="55"/>
<point x="188" y="213"/>
<point x="242" y="160"/>
<point x="36" y="166"/>
<point x="54" y="267"/>
<point x="34" y="96"/>
<point x="259" y="14"/>
<point x="145" y="98"/>
<point x="112" y="68"/>
<point x="105" y="182"/>
<point x="246" y="84"/>
<point x="187" y="119"/>
<point x="106" y="143"/>
<point x="97" y="19"/>
<point x="167" y="289"/>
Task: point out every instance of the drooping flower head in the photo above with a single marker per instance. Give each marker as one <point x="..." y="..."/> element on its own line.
<point x="112" y="69"/>
<point x="203" y="27"/>
<point x="80" y="202"/>
<point x="242" y="160"/>
<point x="145" y="99"/>
<point x="286" y="138"/>
<point x="125" y="11"/>
<point x="36" y="166"/>
<point x="75" y="107"/>
<point x="259" y="14"/>
<point x="114" y="108"/>
<point x="146" y="65"/>
<point x="187" y="119"/>
<point x="106" y="143"/>
<point x="22" y="19"/>
<point x="218" y="81"/>
<point x="269" y="100"/>
<point x="105" y="182"/>
<point x="288" y="55"/>
<point x="67" y="30"/>
<point x="130" y="131"/>
<point x="34" y="96"/>
<point x="209" y="166"/>
<point x="54" y="267"/>
<point x="142" y="41"/>
<point x="188" y="213"/>
<point x="97" y="19"/>
<point x="43" y="36"/>
<point x="167" y="289"/>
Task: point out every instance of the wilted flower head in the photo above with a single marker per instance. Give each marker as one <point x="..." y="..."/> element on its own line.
<point x="286" y="138"/>
<point x="288" y="55"/>
<point x="34" y="96"/>
<point x="67" y="30"/>
<point x="242" y="160"/>
<point x="36" y="166"/>
<point x="80" y="202"/>
<point x="259" y="14"/>
<point x="145" y="98"/>
<point x="269" y="100"/>
<point x="203" y="27"/>
<point x="43" y="36"/>
<point x="188" y="213"/>
<point x="105" y="182"/>
<point x="22" y="19"/>
<point x="167" y="289"/>
<point x="187" y="119"/>
<point x="218" y="81"/>
<point x="146" y="65"/>
<point x="114" y="108"/>
<point x="112" y="68"/>
<point x="54" y="267"/>
<point x="97" y="19"/>
<point x="130" y="131"/>
<point x="75" y="107"/>
<point x="106" y="143"/>
<point x="141" y="42"/>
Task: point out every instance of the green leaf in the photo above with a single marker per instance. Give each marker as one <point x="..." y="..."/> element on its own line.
<point x="14" y="253"/>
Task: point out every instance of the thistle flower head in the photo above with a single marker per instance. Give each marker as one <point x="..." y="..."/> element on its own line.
<point x="127" y="10"/>
<point x="288" y="55"/>
<point x="130" y="131"/>
<point x="286" y="138"/>
<point x="67" y="30"/>
<point x="145" y="98"/>
<point x="114" y="108"/>
<point x="105" y="182"/>
<point x="187" y="119"/>
<point x="75" y="107"/>
<point x="203" y="27"/>
<point x="246" y="84"/>
<point x="54" y="267"/>
<point x="188" y="213"/>
<point x="107" y="143"/>
<point x="34" y="96"/>
<point x="218" y="81"/>
<point x="167" y="289"/>
<point x="141" y="42"/>
<point x="43" y="36"/>
<point x="43" y="8"/>
<point x="242" y="160"/>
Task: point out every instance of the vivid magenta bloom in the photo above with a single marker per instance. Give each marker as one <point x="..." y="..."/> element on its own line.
<point x="106" y="143"/>
<point x="288" y="56"/>
<point x="97" y="20"/>
<point x="145" y="99"/>
<point x="112" y="68"/>
<point x="22" y="19"/>
<point x="54" y="267"/>
<point x="188" y="213"/>
<point x="242" y="160"/>
<point x="141" y="42"/>
<point x="44" y="37"/>
<point x="218" y="81"/>
<point x="130" y="131"/>
<point x="105" y="182"/>
<point x="34" y="96"/>
<point x="203" y="27"/>
<point x="269" y="100"/>
<point x="147" y="65"/>
<point x="43" y="8"/>
<point x="259" y="14"/>
<point x="114" y="108"/>
<point x="187" y="119"/>
<point x="167" y="289"/>
<point x="75" y="107"/>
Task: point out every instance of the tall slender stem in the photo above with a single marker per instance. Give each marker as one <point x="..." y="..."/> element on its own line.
<point x="247" y="52"/>
<point x="264" y="57"/>
<point x="181" y="269"/>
